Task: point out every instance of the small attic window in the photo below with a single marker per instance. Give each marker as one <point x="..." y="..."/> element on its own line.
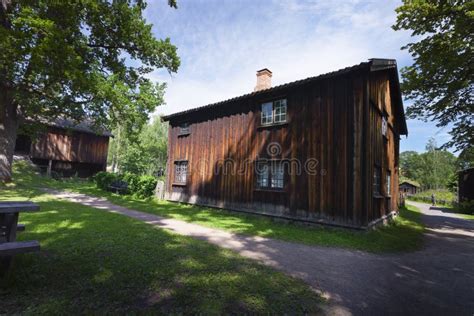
<point x="184" y="129"/>
<point x="384" y="126"/>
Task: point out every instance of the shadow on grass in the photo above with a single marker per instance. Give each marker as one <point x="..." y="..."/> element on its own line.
<point x="404" y="234"/>
<point x="97" y="262"/>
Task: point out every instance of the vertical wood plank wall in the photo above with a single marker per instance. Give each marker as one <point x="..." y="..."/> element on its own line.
<point x="58" y="144"/>
<point x="325" y="129"/>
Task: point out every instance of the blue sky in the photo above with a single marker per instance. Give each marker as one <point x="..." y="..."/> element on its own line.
<point x="222" y="43"/>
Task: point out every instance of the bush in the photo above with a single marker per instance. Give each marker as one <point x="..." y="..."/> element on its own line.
<point x="104" y="179"/>
<point x="140" y="186"/>
<point x="146" y="186"/>
<point x="466" y="207"/>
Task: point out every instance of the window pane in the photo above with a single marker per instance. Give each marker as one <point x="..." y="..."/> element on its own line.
<point x="184" y="128"/>
<point x="389" y="187"/>
<point x="262" y="175"/>
<point x="280" y="111"/>
<point x="181" y="171"/>
<point x="377" y="182"/>
<point x="267" y="113"/>
<point x="277" y="177"/>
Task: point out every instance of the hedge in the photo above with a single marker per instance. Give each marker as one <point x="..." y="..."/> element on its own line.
<point x="140" y="186"/>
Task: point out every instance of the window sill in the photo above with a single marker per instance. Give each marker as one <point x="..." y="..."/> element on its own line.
<point x="273" y="125"/>
<point x="177" y="184"/>
<point x="184" y="134"/>
<point x="270" y="190"/>
<point x="378" y="196"/>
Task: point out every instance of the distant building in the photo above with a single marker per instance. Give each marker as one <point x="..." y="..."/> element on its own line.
<point x="466" y="184"/>
<point x="409" y="187"/>
<point x="67" y="148"/>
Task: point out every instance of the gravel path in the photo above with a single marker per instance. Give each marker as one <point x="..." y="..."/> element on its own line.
<point x="437" y="280"/>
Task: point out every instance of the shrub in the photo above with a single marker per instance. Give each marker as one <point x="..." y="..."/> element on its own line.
<point x="104" y="179"/>
<point x="146" y="186"/>
<point x="466" y="207"/>
<point x="140" y="186"/>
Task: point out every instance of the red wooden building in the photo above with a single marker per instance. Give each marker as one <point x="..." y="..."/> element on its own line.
<point x="67" y="148"/>
<point x="323" y="149"/>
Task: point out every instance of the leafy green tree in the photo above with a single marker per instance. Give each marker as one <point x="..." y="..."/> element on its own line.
<point x="433" y="169"/>
<point x="144" y="154"/>
<point x="77" y="59"/>
<point x="440" y="81"/>
<point x="466" y="159"/>
<point x="411" y="165"/>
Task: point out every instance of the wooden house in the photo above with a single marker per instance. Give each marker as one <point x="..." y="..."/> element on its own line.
<point x="409" y="187"/>
<point x="466" y="185"/>
<point x="321" y="150"/>
<point x="67" y="148"/>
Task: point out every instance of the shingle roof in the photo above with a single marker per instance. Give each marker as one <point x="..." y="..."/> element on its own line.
<point x="411" y="182"/>
<point x="85" y="126"/>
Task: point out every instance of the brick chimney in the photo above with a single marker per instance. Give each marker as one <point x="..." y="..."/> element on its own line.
<point x="264" y="79"/>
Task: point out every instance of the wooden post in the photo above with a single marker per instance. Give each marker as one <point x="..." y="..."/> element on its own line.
<point x="48" y="171"/>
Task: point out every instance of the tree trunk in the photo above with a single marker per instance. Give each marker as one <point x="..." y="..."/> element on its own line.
<point x="8" y="130"/>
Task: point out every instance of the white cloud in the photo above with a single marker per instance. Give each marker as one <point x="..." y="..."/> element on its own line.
<point x="222" y="44"/>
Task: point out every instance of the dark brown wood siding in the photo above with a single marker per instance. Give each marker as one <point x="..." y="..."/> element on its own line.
<point x="382" y="152"/>
<point x="331" y="135"/>
<point x="63" y="145"/>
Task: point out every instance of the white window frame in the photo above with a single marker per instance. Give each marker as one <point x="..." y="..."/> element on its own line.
<point x="377" y="181"/>
<point x="277" y="175"/>
<point x="274" y="117"/>
<point x="180" y="171"/>
<point x="266" y="119"/>
<point x="384" y="126"/>
<point x="388" y="179"/>
<point x="270" y="175"/>
<point x="263" y="174"/>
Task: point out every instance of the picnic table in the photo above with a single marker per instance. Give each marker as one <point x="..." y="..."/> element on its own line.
<point x="9" y="214"/>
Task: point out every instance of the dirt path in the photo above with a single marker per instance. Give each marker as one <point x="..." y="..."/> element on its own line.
<point x="438" y="280"/>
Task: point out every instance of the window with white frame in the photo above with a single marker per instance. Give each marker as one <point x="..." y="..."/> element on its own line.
<point x="377" y="180"/>
<point x="388" y="184"/>
<point x="279" y="108"/>
<point x="277" y="176"/>
<point x="384" y="126"/>
<point x="262" y="175"/>
<point x="180" y="171"/>
<point x="274" y="112"/>
<point x="270" y="175"/>
<point x="267" y="113"/>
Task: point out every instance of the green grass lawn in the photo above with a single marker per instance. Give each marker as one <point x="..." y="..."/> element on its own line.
<point x="95" y="262"/>
<point x="404" y="234"/>
<point x="468" y="216"/>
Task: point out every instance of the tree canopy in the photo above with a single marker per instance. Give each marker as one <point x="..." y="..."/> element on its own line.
<point x="144" y="153"/>
<point x="77" y="59"/>
<point x="433" y="169"/>
<point x="440" y="81"/>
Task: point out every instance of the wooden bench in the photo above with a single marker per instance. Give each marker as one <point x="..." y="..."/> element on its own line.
<point x="119" y="187"/>
<point x="18" y="247"/>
